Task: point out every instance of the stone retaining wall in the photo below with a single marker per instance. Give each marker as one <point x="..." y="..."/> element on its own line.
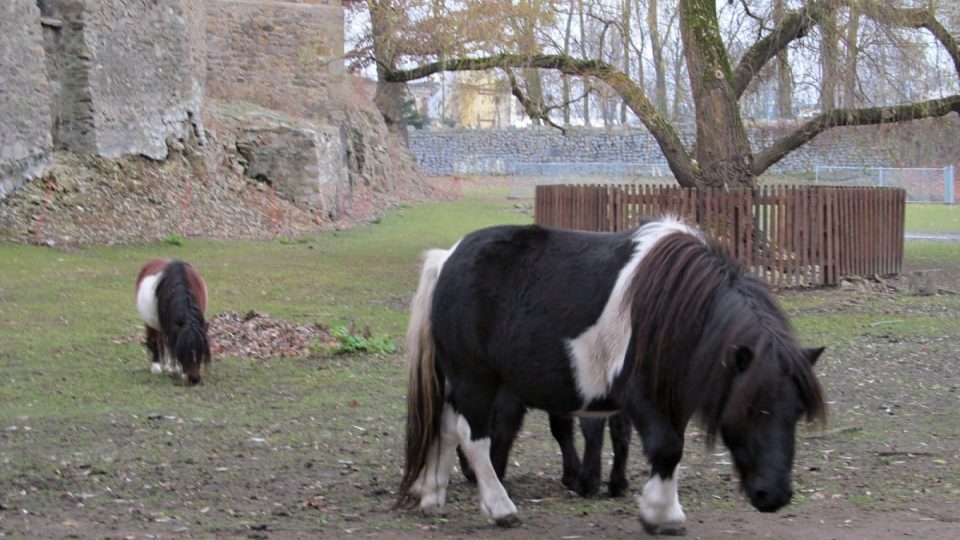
<point x="924" y="143"/>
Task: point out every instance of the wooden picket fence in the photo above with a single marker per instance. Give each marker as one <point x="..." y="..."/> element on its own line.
<point x="786" y="235"/>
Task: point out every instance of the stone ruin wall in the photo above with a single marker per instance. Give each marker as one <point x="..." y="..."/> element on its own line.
<point x="285" y="56"/>
<point x="129" y="77"/>
<point x="275" y="74"/>
<point x="25" y="138"/>
<point x="104" y="77"/>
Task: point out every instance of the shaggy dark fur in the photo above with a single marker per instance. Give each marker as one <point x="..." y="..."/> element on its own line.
<point x="184" y="328"/>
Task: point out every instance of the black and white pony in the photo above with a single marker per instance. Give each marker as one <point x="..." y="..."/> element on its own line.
<point x="655" y="321"/>
<point x="171" y="298"/>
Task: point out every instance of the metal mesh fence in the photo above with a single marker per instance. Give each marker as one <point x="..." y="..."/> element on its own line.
<point x="929" y="185"/>
<point x="524" y="177"/>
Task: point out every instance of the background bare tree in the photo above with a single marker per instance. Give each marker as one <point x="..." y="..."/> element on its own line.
<point x="832" y="62"/>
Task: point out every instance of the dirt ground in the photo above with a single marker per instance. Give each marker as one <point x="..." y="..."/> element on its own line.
<point x="886" y="466"/>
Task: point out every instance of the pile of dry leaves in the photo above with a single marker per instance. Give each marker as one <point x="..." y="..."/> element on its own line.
<point x="258" y="335"/>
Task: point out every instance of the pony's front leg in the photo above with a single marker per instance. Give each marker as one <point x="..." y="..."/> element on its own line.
<point x="562" y="430"/>
<point x="588" y="481"/>
<point x="432" y="483"/>
<point x="494" y="501"/>
<point x="155" y="346"/>
<point x="659" y="502"/>
<point x="620" y="429"/>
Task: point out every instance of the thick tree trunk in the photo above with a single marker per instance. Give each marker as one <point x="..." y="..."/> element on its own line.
<point x="722" y="150"/>
<point x="388" y="95"/>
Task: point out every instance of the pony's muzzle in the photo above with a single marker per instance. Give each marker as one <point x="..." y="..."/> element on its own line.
<point x="767" y="496"/>
<point x="193" y="377"/>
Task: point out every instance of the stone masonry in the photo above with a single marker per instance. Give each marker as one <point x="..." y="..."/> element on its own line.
<point x="923" y="143"/>
<point x="133" y="77"/>
<point x="25" y="138"/>
<point x="124" y="73"/>
<point x="286" y="56"/>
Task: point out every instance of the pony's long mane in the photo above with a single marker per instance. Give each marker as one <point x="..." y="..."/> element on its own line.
<point x="691" y="306"/>
<point x="180" y="315"/>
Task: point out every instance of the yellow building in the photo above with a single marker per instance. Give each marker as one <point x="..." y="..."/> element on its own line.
<point x="478" y="99"/>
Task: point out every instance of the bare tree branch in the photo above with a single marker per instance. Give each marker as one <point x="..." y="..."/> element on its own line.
<point x="795" y="25"/>
<point x="911" y="18"/>
<point x="852" y="117"/>
<point x="666" y="136"/>
<point x="535" y="109"/>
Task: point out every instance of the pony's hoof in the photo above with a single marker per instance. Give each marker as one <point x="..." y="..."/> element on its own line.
<point x="587" y="485"/>
<point x="618" y="488"/>
<point x="667" y="529"/>
<point x="431" y="505"/>
<point x="156" y="369"/>
<point x="508" y="522"/>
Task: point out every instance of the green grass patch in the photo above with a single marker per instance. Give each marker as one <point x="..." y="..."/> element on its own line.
<point x="932" y="254"/>
<point x="933" y="218"/>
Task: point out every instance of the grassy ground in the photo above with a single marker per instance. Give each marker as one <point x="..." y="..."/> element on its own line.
<point x="92" y="445"/>
<point x="933" y="218"/>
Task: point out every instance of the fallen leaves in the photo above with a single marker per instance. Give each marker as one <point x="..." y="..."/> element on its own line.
<point x="258" y="335"/>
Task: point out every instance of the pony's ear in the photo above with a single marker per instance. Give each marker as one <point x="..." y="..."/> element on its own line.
<point x="813" y="354"/>
<point x="742" y="357"/>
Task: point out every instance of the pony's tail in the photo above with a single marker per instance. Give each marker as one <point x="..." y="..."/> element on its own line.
<point x="425" y="385"/>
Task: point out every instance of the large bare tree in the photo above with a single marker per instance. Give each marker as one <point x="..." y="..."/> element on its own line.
<point x="721" y="154"/>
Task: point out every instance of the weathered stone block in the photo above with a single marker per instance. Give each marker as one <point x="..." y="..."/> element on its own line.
<point x="303" y="160"/>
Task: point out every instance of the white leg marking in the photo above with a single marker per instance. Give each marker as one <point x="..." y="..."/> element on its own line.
<point x="494" y="501"/>
<point x="170" y="365"/>
<point x="156" y="368"/>
<point x="432" y="483"/>
<point x="598" y="353"/>
<point x="659" y="503"/>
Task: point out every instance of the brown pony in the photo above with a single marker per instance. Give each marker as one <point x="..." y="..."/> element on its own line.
<point x="171" y="298"/>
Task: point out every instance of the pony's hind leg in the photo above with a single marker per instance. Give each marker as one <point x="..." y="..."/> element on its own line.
<point x="475" y="442"/>
<point x="507" y="419"/>
<point x="431" y="485"/>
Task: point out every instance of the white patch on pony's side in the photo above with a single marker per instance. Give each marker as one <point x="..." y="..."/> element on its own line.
<point x="494" y="501"/>
<point x="598" y="353"/>
<point x="659" y="503"/>
<point x="147" y="300"/>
